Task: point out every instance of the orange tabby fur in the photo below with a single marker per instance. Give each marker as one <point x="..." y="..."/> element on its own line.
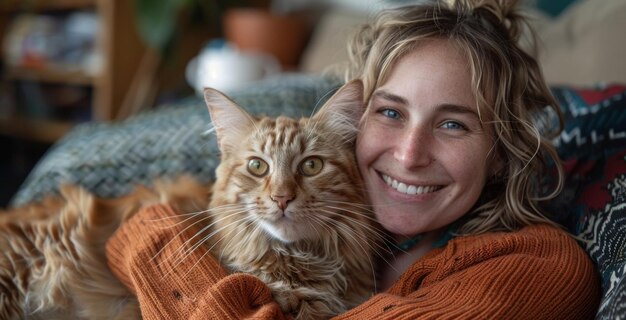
<point x="52" y="261"/>
<point x="318" y="261"/>
<point x="317" y="255"/>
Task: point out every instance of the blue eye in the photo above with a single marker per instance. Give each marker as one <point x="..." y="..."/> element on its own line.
<point x="453" y="125"/>
<point x="390" y="113"/>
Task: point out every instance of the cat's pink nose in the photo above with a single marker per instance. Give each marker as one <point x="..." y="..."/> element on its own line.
<point x="282" y="200"/>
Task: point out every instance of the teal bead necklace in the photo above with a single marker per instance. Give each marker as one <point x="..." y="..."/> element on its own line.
<point x="441" y="241"/>
<point x="407" y="245"/>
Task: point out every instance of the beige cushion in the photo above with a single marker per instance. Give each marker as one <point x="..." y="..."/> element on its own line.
<point x="585" y="45"/>
<point x="328" y="45"/>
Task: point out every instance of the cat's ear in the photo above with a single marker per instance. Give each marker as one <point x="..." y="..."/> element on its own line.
<point x="343" y="111"/>
<point x="230" y="121"/>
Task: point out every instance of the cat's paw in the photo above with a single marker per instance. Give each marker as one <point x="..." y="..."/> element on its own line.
<point x="288" y="300"/>
<point x="308" y="303"/>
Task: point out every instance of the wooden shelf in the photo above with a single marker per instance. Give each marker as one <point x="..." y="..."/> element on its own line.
<point x="120" y="51"/>
<point x="47" y="131"/>
<point x="60" y="75"/>
<point x="45" y="5"/>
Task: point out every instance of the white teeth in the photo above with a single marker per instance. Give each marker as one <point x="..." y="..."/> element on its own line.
<point x="408" y="189"/>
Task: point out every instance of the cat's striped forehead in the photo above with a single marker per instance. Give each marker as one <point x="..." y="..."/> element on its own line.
<point x="282" y="132"/>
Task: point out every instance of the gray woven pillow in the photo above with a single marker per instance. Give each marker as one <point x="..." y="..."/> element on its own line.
<point x="110" y="159"/>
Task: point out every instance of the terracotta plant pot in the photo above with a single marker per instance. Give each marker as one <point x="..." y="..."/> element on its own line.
<point x="283" y="36"/>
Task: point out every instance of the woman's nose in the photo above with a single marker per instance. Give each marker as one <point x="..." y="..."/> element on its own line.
<point x="414" y="149"/>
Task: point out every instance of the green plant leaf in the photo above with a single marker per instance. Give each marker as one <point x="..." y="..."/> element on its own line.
<point x="156" y="20"/>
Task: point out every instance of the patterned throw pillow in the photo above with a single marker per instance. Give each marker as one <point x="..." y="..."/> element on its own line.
<point x="593" y="202"/>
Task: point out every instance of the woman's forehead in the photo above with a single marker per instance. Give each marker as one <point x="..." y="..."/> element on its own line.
<point x="432" y="73"/>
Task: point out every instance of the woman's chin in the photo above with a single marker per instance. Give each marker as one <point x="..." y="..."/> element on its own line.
<point x="395" y="225"/>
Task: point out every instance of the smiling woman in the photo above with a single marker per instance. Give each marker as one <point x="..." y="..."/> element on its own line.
<point x="424" y="152"/>
<point x="446" y="147"/>
<point x="422" y="132"/>
<point x="451" y="161"/>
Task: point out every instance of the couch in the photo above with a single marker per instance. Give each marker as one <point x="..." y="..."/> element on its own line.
<point x="109" y="159"/>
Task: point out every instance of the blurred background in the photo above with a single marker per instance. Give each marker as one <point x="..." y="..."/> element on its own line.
<point x="66" y="62"/>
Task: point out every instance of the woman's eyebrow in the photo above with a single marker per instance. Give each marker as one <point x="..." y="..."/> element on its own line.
<point x="390" y="96"/>
<point x="455" y="108"/>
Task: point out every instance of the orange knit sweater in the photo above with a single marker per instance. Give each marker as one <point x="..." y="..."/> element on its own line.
<point x="536" y="273"/>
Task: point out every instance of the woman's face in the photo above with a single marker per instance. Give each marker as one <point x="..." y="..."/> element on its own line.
<point x="423" y="150"/>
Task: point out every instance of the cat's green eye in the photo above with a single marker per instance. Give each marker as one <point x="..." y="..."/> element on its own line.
<point x="258" y="167"/>
<point x="311" y="166"/>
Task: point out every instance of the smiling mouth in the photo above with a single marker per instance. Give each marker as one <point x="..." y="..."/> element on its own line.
<point x="408" y="189"/>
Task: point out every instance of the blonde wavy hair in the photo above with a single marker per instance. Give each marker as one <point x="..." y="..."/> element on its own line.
<point x="509" y="87"/>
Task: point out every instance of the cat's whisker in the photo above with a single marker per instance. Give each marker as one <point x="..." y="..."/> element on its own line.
<point x="355" y="212"/>
<point x="323" y="225"/>
<point x="355" y="204"/>
<point x="355" y="237"/>
<point x="362" y="238"/>
<point x="185" y="249"/>
<point x="175" y="237"/>
<point x="210" y="130"/>
<point x="319" y="103"/>
<point x="229" y="213"/>
<point x="314" y="128"/>
<point x="363" y="207"/>
<point x="381" y="237"/>
<point x="328" y="230"/>
<point x="209" y="250"/>
<point x="189" y="251"/>
<point x="190" y="215"/>
<point x="186" y="252"/>
<point x="243" y="241"/>
<point x="378" y="236"/>
<point x="340" y="120"/>
<point x="175" y="216"/>
<point x="316" y="219"/>
<point x="314" y="111"/>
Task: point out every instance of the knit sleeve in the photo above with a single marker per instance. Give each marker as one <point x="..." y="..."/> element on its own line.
<point x="172" y="279"/>
<point x="539" y="273"/>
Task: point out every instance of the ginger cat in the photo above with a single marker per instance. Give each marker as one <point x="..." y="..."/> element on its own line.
<point x="287" y="206"/>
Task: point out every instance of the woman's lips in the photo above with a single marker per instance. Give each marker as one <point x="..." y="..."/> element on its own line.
<point x="408" y="188"/>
